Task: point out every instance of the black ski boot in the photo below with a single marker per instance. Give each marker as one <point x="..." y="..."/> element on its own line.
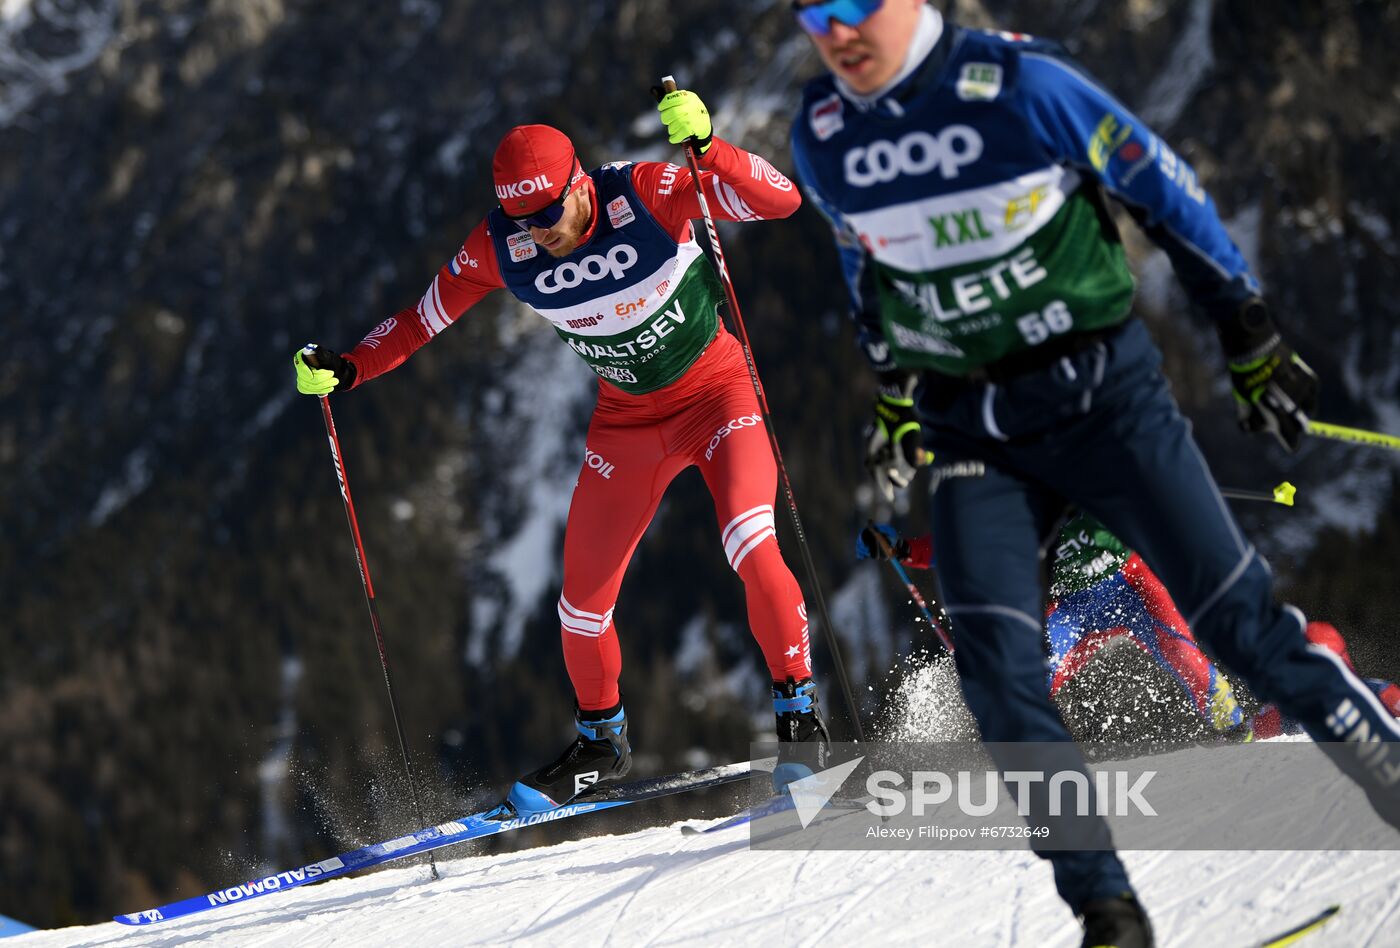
<point x="1116" y="923"/>
<point x="803" y="740"/>
<point x="599" y="753"/>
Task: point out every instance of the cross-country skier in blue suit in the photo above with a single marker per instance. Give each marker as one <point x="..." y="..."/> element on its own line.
<point x="966" y="175"/>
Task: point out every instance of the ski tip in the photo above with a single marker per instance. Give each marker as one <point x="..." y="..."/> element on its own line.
<point x="688" y="830"/>
<point x="1293" y="935"/>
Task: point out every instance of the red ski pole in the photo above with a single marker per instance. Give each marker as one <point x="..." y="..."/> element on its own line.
<point x="914" y="593"/>
<point x="668" y="84"/>
<point x="373" y="608"/>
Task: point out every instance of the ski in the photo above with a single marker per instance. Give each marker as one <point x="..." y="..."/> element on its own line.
<point x="1300" y="931"/>
<point x="775" y="805"/>
<point x="778" y="804"/>
<point x="464" y="829"/>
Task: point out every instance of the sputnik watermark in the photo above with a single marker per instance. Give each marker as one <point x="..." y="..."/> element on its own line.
<point x="1111" y="793"/>
<point x="976" y="793"/>
<point x="1060" y="797"/>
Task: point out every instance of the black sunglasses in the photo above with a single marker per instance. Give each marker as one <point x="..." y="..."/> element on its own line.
<point x="549" y="215"/>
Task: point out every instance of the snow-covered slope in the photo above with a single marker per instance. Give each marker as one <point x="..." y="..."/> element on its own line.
<point x="657" y="887"/>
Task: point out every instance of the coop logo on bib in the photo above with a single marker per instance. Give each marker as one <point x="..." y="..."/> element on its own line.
<point x="917" y="153"/>
<point x="591" y="268"/>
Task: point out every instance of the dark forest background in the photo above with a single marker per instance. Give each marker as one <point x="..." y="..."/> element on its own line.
<point x="189" y="688"/>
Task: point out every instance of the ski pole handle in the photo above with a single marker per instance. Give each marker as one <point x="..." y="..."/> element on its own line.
<point x="668" y="85"/>
<point x="663" y="89"/>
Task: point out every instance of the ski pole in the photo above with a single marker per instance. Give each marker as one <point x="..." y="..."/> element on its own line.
<point x="668" y="84"/>
<point x="1375" y="439"/>
<point x="918" y="597"/>
<point x="1282" y="494"/>
<point x="373" y="610"/>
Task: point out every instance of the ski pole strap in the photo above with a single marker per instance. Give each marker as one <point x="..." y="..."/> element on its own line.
<point x="1375" y="439"/>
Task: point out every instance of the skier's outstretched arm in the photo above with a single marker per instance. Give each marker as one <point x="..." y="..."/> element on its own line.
<point x="459" y="285"/>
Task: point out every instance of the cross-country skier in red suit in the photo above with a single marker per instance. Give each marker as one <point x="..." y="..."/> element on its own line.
<point x="609" y="257"/>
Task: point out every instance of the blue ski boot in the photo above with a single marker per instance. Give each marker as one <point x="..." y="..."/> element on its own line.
<point x="599" y="753"/>
<point x="804" y="742"/>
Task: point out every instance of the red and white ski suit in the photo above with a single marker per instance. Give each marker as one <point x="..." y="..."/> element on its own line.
<point x="708" y="417"/>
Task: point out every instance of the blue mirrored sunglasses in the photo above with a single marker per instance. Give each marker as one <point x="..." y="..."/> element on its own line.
<point x="546" y="217"/>
<point x="817" y="17"/>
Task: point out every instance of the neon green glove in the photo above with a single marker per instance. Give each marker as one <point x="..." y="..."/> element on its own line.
<point x="1275" y="390"/>
<point x="685" y="116"/>
<point x="321" y="371"/>
<point x="894" y="440"/>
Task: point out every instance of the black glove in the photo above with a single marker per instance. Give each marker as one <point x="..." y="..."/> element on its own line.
<point x="894" y="440"/>
<point x="313" y="363"/>
<point x="869" y="547"/>
<point x="1275" y="390"/>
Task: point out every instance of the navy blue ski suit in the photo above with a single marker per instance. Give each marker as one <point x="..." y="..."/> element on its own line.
<point x="970" y="214"/>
